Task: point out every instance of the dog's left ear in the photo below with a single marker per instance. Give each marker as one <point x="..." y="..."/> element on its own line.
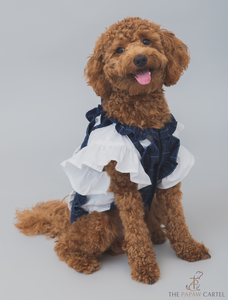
<point x="177" y="54"/>
<point x="94" y="73"/>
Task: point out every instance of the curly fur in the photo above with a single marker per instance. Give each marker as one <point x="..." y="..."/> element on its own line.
<point x="131" y="228"/>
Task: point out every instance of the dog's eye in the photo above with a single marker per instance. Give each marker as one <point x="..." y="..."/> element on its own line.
<point x="146" y="42"/>
<point x="120" y="50"/>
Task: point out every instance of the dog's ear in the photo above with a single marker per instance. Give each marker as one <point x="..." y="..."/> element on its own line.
<point x="94" y="74"/>
<point x="177" y="54"/>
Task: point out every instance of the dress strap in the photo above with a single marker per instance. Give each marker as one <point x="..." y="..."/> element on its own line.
<point x="136" y="143"/>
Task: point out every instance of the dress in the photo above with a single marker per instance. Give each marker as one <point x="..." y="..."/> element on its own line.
<point x="154" y="159"/>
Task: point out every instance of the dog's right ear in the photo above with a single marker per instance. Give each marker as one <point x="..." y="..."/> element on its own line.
<point x="95" y="76"/>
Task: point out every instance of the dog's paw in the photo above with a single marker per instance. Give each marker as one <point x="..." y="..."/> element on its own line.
<point x="148" y="273"/>
<point x="83" y="263"/>
<point x="158" y="237"/>
<point x="191" y="251"/>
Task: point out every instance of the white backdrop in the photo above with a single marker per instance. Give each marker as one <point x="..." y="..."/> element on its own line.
<point x="43" y="96"/>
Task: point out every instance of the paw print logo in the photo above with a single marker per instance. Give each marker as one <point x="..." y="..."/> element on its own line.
<point x="195" y="284"/>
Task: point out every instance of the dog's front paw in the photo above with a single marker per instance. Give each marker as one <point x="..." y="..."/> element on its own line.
<point x="146" y="273"/>
<point x="191" y="251"/>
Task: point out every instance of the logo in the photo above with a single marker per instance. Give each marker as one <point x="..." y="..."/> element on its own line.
<point x="194" y="290"/>
<point x="195" y="285"/>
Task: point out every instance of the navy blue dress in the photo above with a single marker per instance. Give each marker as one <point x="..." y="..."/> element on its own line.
<point x="158" y="159"/>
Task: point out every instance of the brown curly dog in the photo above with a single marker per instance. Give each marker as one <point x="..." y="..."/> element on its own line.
<point x="132" y="60"/>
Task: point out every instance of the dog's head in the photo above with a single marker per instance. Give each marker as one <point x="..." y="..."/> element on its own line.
<point x="135" y="56"/>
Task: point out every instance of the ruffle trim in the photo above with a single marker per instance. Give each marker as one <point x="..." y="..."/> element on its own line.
<point x="85" y="168"/>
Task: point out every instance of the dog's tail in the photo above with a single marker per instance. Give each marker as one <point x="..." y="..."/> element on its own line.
<point x="51" y="218"/>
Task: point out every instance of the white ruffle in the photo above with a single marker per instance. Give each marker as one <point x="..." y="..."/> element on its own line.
<point x="99" y="202"/>
<point x="85" y="168"/>
<point x="71" y="198"/>
<point x="179" y="128"/>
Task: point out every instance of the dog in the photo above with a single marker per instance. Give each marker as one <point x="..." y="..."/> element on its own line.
<point x="126" y="175"/>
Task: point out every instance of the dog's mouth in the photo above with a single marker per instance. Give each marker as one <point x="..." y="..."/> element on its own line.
<point x="143" y="76"/>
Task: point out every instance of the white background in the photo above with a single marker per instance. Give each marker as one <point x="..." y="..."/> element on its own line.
<point x="43" y="96"/>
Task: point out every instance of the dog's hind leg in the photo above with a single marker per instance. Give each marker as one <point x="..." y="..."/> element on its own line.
<point x="87" y="239"/>
<point x="177" y="231"/>
<point x="51" y="218"/>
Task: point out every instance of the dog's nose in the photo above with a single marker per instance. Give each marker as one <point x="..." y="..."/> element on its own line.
<point x="140" y="61"/>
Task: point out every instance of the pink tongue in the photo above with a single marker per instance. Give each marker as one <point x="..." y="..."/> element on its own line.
<point x="143" y="76"/>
